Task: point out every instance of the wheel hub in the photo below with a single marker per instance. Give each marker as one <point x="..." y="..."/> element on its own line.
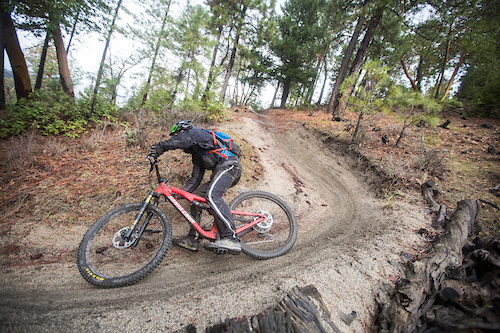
<point x="264" y="225"/>
<point x="119" y="242"/>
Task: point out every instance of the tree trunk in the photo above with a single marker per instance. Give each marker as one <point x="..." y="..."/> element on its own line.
<point x="275" y="94"/>
<point x="210" y="79"/>
<point x="41" y="66"/>
<point x="62" y="61"/>
<point x="2" y="65"/>
<point x="443" y="67"/>
<point x="101" y="65"/>
<point x="310" y="92"/>
<point x="408" y="75"/>
<point x="286" y="92"/>
<point x="16" y="57"/>
<point x="344" y="66"/>
<point x="153" y="62"/>
<point x="230" y="67"/>
<point x="405" y="125"/>
<point x="452" y="78"/>
<point x="358" y="60"/>
<point x="420" y="70"/>
<point x="358" y="124"/>
<point x="324" y="83"/>
<point x="233" y="55"/>
<point x="73" y="31"/>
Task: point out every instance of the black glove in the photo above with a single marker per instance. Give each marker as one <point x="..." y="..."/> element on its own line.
<point x="153" y="151"/>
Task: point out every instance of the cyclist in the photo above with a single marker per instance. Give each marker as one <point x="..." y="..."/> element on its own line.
<point x="226" y="173"/>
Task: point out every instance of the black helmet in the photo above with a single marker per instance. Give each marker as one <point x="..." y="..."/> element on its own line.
<point x="181" y="126"/>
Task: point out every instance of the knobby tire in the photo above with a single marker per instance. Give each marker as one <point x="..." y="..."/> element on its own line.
<point x="105" y="265"/>
<point x="273" y="240"/>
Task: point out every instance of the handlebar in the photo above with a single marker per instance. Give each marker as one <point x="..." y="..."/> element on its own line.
<point x="153" y="161"/>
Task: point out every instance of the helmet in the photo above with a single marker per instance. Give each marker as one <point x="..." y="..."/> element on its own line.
<point x="181" y="126"/>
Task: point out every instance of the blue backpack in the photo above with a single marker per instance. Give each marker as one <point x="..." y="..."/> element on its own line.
<point x="226" y="146"/>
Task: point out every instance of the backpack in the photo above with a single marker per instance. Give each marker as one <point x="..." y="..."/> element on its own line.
<point x="227" y="147"/>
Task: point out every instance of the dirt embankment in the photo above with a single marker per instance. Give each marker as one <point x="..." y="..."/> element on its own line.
<point x="349" y="247"/>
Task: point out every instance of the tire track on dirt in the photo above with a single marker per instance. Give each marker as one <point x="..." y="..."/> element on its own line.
<point x="347" y="247"/>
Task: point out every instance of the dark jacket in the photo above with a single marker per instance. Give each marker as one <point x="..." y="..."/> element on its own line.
<point x="196" y="141"/>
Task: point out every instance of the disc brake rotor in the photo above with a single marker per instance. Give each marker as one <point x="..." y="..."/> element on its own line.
<point x="264" y="225"/>
<point x="118" y="240"/>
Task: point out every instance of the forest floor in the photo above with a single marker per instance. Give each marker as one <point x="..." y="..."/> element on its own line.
<point x="358" y="207"/>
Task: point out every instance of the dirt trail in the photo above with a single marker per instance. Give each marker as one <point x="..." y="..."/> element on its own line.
<point x="348" y="247"/>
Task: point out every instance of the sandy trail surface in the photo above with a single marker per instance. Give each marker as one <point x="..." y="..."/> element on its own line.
<point x="348" y="247"/>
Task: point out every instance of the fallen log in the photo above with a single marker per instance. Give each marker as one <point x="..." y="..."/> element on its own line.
<point x="417" y="291"/>
<point x="302" y="310"/>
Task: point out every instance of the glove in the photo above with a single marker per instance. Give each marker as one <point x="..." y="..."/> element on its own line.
<point x="153" y="152"/>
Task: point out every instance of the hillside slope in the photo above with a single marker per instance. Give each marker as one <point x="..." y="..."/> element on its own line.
<point x="349" y="246"/>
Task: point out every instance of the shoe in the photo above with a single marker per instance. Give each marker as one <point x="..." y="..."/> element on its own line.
<point x="224" y="245"/>
<point x="187" y="242"/>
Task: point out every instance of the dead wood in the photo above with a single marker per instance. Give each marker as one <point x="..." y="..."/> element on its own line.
<point x="302" y="310"/>
<point x="445" y="124"/>
<point x="441" y="220"/>
<point x="428" y="192"/>
<point x="417" y="291"/>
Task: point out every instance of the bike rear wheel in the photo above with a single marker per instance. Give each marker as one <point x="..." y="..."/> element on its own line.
<point x="271" y="238"/>
<point x="105" y="259"/>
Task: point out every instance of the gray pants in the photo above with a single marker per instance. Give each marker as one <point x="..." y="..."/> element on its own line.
<point x="223" y="177"/>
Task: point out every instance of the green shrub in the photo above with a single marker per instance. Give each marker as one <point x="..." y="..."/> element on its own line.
<point x="54" y="113"/>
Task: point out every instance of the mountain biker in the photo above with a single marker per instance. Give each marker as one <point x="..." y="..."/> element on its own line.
<point x="226" y="173"/>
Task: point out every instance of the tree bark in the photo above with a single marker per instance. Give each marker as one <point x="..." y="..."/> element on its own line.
<point x="62" y="61"/>
<point x="16" y="57"/>
<point x="312" y="87"/>
<point x="420" y="70"/>
<point x="358" y="124"/>
<point x="230" y="67"/>
<point x="286" y="92"/>
<point x="405" y="125"/>
<point x="452" y="78"/>
<point x="41" y="66"/>
<point x="418" y="290"/>
<point x="344" y="65"/>
<point x="275" y="93"/>
<point x="73" y="31"/>
<point x="210" y="79"/>
<point x="324" y="83"/>
<point x="297" y="312"/>
<point x="358" y="60"/>
<point x="443" y="67"/>
<point x="2" y="65"/>
<point x="153" y="62"/>
<point x="233" y="54"/>
<point x="408" y="75"/>
<point x="103" y="59"/>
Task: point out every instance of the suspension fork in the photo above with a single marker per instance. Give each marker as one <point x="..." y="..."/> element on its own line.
<point x="139" y="215"/>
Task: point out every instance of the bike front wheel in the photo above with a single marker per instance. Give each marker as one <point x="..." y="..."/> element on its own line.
<point x="272" y="237"/>
<point x="107" y="259"/>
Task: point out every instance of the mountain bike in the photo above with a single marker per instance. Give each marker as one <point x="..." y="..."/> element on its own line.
<point x="129" y="242"/>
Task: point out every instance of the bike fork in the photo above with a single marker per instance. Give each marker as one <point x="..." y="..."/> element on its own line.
<point x="138" y="217"/>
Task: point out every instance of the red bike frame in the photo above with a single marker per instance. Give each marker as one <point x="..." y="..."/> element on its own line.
<point x="168" y="191"/>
